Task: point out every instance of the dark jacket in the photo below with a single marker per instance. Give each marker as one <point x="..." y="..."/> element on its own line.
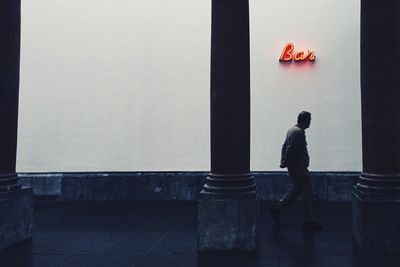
<point x="294" y="149"/>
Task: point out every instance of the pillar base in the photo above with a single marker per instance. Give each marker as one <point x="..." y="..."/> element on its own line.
<point x="227" y="223"/>
<point x="376" y="229"/>
<point x="16" y="209"/>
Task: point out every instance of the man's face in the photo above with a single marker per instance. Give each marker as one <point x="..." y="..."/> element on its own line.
<point x="307" y="124"/>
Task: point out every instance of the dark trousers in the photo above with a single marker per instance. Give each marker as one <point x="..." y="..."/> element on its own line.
<point x="301" y="184"/>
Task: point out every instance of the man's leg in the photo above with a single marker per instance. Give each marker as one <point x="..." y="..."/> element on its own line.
<point x="307" y="189"/>
<point x="289" y="197"/>
<point x="309" y="221"/>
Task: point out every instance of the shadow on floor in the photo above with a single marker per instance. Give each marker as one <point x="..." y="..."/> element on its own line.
<point x="164" y="234"/>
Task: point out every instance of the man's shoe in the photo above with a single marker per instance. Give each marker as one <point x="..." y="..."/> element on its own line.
<point x="276" y="214"/>
<point x="312" y="224"/>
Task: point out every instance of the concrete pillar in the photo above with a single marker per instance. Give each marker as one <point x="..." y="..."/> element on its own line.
<point x="376" y="197"/>
<point x="227" y="211"/>
<point x="15" y="202"/>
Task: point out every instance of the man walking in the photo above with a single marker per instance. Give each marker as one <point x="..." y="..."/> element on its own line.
<point x="296" y="159"/>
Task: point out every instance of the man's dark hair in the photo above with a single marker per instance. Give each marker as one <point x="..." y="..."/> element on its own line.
<point x="303" y="117"/>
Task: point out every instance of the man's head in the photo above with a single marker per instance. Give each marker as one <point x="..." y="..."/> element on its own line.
<point x="304" y="120"/>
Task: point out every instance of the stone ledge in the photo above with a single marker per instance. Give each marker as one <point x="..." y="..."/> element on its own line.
<point x="110" y="186"/>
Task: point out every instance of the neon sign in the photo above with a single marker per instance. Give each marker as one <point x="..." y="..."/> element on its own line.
<point x="287" y="54"/>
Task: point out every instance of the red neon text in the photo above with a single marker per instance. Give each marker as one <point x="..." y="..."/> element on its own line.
<point x="287" y="54"/>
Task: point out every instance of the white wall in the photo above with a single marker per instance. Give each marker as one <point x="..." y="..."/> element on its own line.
<point x="329" y="89"/>
<point x="123" y="85"/>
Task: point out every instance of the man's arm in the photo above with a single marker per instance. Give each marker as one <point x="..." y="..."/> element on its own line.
<point x="292" y="145"/>
<point x="283" y="156"/>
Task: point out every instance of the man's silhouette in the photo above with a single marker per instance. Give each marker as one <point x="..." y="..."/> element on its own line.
<point x="296" y="159"/>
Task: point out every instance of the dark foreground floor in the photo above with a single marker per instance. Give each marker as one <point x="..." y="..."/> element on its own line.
<point x="164" y="234"/>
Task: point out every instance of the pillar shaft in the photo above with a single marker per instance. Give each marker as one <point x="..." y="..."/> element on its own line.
<point x="230" y="87"/>
<point x="380" y="97"/>
<point x="16" y="204"/>
<point x="10" y="18"/>
<point x="376" y="196"/>
<point x="230" y="98"/>
<point x="227" y="210"/>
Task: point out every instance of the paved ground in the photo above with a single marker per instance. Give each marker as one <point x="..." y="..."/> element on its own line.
<point x="164" y="234"/>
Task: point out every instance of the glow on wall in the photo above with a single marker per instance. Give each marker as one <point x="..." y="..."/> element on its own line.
<point x="288" y="54"/>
